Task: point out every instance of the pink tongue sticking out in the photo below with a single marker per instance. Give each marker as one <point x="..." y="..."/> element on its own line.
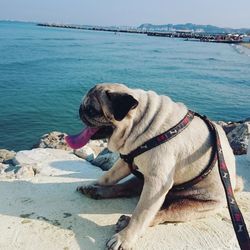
<point x="81" y="139"/>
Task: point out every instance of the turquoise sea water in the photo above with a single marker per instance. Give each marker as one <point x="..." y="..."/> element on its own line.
<point x="44" y="73"/>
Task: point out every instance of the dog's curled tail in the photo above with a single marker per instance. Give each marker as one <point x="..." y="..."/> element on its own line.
<point x="239" y="184"/>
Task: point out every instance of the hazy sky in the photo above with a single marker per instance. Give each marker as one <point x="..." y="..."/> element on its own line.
<point x="225" y="13"/>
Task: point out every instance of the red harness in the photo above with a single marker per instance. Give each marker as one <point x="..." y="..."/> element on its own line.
<point x="235" y="213"/>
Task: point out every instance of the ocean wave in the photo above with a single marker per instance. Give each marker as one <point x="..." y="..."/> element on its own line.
<point x="42" y="61"/>
<point x="108" y="43"/>
<point x="48" y="39"/>
<point x="212" y="59"/>
<point x="61" y="39"/>
<point x="156" y="51"/>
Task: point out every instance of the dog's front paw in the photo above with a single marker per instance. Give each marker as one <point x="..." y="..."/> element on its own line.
<point x="91" y="190"/>
<point x="122" y="223"/>
<point x="118" y="242"/>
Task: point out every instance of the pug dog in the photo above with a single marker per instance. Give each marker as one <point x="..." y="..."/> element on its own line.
<point x="128" y="118"/>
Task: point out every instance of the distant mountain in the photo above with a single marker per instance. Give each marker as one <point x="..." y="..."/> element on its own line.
<point x="192" y="27"/>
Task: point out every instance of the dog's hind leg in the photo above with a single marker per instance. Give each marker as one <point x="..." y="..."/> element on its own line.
<point x="186" y="209"/>
<point x="129" y="188"/>
<point x="181" y="210"/>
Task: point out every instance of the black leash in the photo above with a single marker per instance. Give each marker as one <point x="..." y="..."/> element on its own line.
<point x="217" y="154"/>
<point x="234" y="211"/>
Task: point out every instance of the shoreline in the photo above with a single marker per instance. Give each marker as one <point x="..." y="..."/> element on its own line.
<point x="246" y="45"/>
<point x="227" y="124"/>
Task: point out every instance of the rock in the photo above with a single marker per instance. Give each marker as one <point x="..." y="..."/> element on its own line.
<point x="86" y="153"/>
<point x="238" y="134"/>
<point x="9" y="168"/>
<point x="248" y="151"/>
<point x="97" y="145"/>
<point x="238" y="137"/>
<point x="6" y="155"/>
<point x="22" y="158"/>
<point x="55" y="140"/>
<point x="25" y="171"/>
<point x="3" y="167"/>
<point x="16" y="171"/>
<point x="230" y="126"/>
<point x="105" y="160"/>
<point x="221" y="123"/>
<point x="53" y="162"/>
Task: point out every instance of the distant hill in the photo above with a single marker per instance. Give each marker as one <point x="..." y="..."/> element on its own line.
<point x="191" y="26"/>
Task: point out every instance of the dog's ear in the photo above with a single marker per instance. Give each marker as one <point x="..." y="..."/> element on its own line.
<point x="121" y="104"/>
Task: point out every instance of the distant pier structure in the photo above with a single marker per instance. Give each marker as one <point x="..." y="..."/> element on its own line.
<point x="201" y="37"/>
<point x="95" y="28"/>
<point x="188" y="35"/>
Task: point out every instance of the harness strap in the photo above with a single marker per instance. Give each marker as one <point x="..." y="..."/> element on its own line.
<point x="217" y="155"/>
<point x="160" y="139"/>
<point x="166" y="136"/>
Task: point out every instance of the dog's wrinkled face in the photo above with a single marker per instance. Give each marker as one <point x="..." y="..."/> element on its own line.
<point x="104" y="106"/>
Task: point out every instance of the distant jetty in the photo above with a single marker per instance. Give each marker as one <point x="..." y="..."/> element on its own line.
<point x="65" y="26"/>
<point x="201" y="37"/>
<point x="185" y="34"/>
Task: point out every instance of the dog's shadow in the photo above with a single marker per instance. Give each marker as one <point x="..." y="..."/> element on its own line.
<point x="58" y="204"/>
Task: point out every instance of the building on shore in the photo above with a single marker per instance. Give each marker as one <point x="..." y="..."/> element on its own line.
<point x="246" y="39"/>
